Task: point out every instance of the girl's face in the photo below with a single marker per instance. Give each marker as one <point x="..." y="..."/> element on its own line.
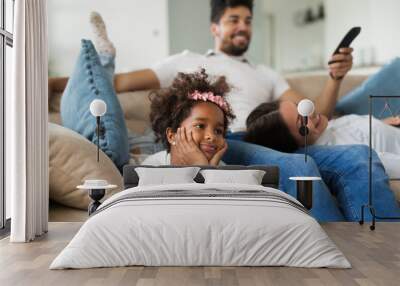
<point x="206" y="121"/>
<point x="317" y="123"/>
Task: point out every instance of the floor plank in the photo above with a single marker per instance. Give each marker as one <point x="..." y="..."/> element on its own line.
<point x="375" y="257"/>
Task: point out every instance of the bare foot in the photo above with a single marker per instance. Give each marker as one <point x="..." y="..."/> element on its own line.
<point x="394" y="120"/>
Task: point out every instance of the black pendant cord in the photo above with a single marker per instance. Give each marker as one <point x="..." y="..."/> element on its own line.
<point x="98" y="136"/>
<point x="305" y="122"/>
<point x="305" y="148"/>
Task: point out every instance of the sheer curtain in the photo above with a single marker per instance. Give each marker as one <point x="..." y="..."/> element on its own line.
<point x="26" y="123"/>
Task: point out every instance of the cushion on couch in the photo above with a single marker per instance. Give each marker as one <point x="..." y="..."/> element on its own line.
<point x="312" y="85"/>
<point x="135" y="106"/>
<point x="73" y="159"/>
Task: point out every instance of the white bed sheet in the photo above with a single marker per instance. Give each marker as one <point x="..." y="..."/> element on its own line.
<point x="200" y="231"/>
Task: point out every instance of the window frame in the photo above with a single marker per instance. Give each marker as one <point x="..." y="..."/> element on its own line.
<point x="6" y="39"/>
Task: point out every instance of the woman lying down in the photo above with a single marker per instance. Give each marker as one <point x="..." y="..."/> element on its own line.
<point x="282" y="120"/>
<point x="169" y="220"/>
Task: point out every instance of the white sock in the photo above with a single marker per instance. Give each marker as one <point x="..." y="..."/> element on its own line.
<point x="101" y="41"/>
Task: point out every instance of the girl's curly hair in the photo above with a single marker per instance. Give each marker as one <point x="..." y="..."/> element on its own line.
<point x="171" y="106"/>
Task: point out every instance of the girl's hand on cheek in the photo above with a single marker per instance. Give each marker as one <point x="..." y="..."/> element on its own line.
<point x="217" y="157"/>
<point x="186" y="150"/>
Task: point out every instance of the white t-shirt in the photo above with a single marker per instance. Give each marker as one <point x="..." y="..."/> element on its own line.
<point x="354" y="129"/>
<point x="251" y="85"/>
<point x="163" y="158"/>
<point x="158" y="159"/>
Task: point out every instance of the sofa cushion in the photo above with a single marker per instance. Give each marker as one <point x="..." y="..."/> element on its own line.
<point x="89" y="81"/>
<point x="72" y="160"/>
<point x="312" y="85"/>
<point x="136" y="108"/>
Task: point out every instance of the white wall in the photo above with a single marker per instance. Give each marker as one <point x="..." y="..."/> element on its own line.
<point x="258" y="49"/>
<point x="294" y="46"/>
<point x="342" y="15"/>
<point x="189" y="26"/>
<point x="385" y="29"/>
<point x="379" y="40"/>
<point x="139" y="30"/>
<point x="309" y="47"/>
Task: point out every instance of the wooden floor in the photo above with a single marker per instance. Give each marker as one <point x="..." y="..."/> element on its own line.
<point x="60" y="213"/>
<point x="375" y="257"/>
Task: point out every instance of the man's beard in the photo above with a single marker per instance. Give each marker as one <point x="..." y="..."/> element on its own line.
<point x="234" y="50"/>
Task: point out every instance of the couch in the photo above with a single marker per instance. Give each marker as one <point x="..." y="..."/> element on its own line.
<point x="72" y="158"/>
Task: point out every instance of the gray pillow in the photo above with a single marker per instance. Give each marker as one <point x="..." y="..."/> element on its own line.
<point x="163" y="176"/>
<point x="248" y="177"/>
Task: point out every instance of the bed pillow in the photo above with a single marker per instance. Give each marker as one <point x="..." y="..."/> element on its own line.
<point x="162" y="176"/>
<point x="89" y="81"/>
<point x="385" y="82"/>
<point x="270" y="179"/>
<point x="248" y="177"/>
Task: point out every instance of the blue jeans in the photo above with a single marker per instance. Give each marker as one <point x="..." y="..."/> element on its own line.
<point x="385" y="82"/>
<point x="90" y="80"/>
<point x="344" y="169"/>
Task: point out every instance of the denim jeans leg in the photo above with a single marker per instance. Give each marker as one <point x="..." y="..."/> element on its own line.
<point x="384" y="82"/>
<point x="91" y="80"/>
<point x="243" y="153"/>
<point x="345" y="170"/>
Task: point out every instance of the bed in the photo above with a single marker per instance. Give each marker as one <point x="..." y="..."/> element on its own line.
<point x="201" y="224"/>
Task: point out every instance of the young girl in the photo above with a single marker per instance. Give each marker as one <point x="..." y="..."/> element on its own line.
<point x="276" y="125"/>
<point x="191" y="118"/>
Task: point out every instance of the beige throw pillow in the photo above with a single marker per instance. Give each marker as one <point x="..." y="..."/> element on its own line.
<point x="72" y="160"/>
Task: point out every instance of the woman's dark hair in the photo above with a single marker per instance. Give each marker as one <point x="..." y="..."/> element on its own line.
<point x="171" y="106"/>
<point x="266" y="127"/>
<point x="218" y="7"/>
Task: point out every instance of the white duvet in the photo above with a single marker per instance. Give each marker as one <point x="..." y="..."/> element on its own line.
<point x="225" y="225"/>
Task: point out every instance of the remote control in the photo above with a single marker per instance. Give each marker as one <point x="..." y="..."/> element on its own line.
<point x="345" y="43"/>
<point x="348" y="39"/>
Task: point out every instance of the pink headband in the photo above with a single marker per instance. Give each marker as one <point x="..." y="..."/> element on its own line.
<point x="209" y="96"/>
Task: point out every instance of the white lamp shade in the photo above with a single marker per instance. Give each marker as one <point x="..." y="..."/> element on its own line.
<point x="98" y="107"/>
<point x="305" y="107"/>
